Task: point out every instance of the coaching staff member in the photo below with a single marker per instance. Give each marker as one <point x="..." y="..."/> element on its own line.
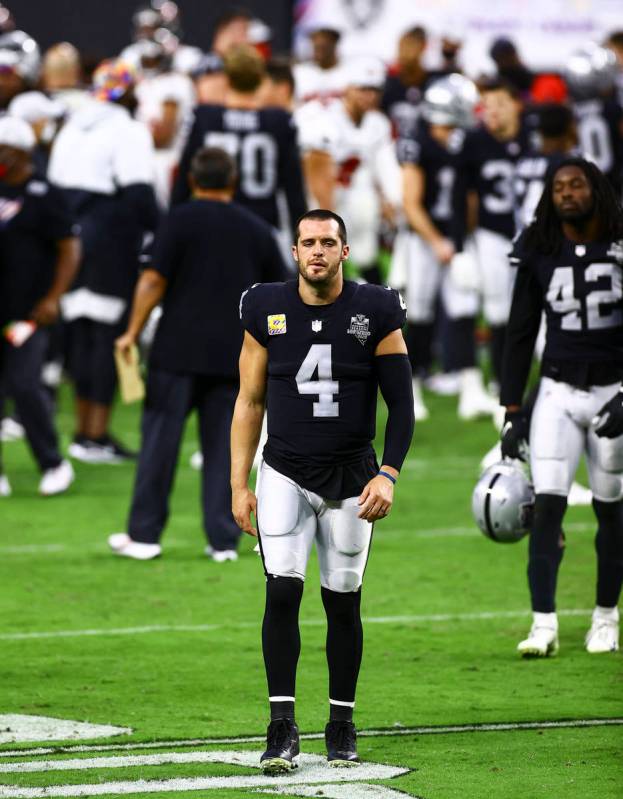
<point x="207" y="252"/>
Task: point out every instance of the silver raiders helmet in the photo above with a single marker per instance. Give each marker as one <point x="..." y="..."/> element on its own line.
<point x="451" y="100"/>
<point x="503" y="502"/>
<point x="590" y="71"/>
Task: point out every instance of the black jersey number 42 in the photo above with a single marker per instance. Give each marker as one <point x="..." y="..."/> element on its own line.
<point x="561" y="297"/>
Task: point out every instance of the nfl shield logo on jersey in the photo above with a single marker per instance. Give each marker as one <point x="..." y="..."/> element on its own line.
<point x="359" y="327"/>
<point x="276" y="324"/>
<point x="316" y="325"/>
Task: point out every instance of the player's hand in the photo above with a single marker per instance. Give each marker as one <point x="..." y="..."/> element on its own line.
<point x="243" y="503"/>
<point x="443" y="249"/>
<point x="124" y="345"/>
<point x="376" y="499"/>
<point x="46" y="311"/>
<point x="514" y="435"/>
<point x="609" y="421"/>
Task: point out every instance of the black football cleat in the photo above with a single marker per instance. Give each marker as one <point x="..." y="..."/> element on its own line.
<point x="341" y="740"/>
<point x="282" y="746"/>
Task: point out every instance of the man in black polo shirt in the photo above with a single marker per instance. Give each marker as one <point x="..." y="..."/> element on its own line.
<point x="39" y="258"/>
<point x="207" y="252"/>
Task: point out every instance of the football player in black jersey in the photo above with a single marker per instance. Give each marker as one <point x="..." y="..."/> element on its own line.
<point x="262" y="140"/>
<point x="570" y="263"/>
<point x="315" y="351"/>
<point x="591" y="75"/>
<point x="435" y="205"/>
<point x="491" y="153"/>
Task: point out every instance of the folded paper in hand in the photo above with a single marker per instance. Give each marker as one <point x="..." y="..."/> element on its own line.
<point x="131" y="385"/>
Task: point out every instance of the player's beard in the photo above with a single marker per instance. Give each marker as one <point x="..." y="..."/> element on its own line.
<point x="323" y="278"/>
<point x="578" y="216"/>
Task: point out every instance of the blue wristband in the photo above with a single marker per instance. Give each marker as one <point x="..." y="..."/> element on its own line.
<point x="388" y="475"/>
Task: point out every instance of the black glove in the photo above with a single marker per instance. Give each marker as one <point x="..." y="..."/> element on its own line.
<point x="609" y="421"/>
<point x="514" y="435"/>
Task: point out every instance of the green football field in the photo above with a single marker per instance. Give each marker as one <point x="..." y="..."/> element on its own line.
<point x="169" y="650"/>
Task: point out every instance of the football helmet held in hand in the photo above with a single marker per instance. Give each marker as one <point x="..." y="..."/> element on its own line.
<point x="503" y="502"/>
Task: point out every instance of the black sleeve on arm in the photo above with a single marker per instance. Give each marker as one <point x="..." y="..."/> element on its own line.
<point x="521" y="333"/>
<point x="181" y="189"/>
<point x="291" y="177"/>
<point x="140" y="200"/>
<point x="394" y="376"/>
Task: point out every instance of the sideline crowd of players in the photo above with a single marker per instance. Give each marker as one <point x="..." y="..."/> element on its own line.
<point x="437" y="178"/>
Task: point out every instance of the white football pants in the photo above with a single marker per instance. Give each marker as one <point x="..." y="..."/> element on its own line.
<point x="290" y="519"/>
<point x="496" y="275"/>
<point x="561" y="430"/>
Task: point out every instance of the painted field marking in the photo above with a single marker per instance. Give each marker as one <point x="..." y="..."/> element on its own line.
<point x="313" y="769"/>
<point x="203" y="628"/>
<point x="15" y="727"/>
<point x="498" y="726"/>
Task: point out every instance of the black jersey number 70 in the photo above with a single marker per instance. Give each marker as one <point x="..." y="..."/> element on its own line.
<point x="256" y="155"/>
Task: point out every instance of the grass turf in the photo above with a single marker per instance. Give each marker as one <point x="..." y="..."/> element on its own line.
<point x="428" y="561"/>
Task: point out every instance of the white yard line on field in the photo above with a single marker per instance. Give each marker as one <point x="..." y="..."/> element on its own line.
<point x="427" y="532"/>
<point x="450" y="729"/>
<point x="242" y="625"/>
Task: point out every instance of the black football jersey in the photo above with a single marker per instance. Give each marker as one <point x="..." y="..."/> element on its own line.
<point x="445" y="188"/>
<point x="600" y="136"/>
<point x="581" y="291"/>
<point x="401" y="103"/>
<point x="322" y="386"/>
<point x="265" y="147"/>
<point x="490" y="170"/>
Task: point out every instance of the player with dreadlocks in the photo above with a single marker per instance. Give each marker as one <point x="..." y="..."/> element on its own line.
<point x="570" y="266"/>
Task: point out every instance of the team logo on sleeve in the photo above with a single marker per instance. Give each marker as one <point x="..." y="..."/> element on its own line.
<point x="276" y="324"/>
<point x="359" y="328"/>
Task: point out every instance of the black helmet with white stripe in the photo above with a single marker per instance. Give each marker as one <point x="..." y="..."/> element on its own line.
<point x="503" y="502"/>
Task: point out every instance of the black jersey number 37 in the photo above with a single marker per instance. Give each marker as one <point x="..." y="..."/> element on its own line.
<point x="561" y="298"/>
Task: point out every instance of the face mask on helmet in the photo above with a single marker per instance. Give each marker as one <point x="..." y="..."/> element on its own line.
<point x="503" y="503"/>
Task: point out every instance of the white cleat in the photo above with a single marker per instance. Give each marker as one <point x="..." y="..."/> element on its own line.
<point x="446" y="384"/>
<point x="57" y="480"/>
<point x="10" y="430"/>
<point x="196" y="460"/>
<point x="474" y="401"/>
<point x="420" y="411"/>
<point x="603" y="635"/>
<point x="122" y="544"/>
<point x="5" y="486"/>
<point x="221" y="555"/>
<point x="542" y="639"/>
<point x="579" y="495"/>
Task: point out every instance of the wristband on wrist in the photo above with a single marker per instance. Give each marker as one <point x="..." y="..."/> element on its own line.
<point x="388" y="475"/>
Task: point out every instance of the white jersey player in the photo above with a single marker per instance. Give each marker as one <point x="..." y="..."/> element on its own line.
<point x="349" y="158"/>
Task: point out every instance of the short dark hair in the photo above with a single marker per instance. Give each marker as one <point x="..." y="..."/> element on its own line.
<point x="497" y="84"/>
<point x="280" y="71"/>
<point x="322" y="214"/>
<point x="213" y="168"/>
<point x="555" y="120"/>
<point x="227" y="17"/>
<point x="417" y="32"/>
<point x="616" y="38"/>
<point x="545" y="234"/>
